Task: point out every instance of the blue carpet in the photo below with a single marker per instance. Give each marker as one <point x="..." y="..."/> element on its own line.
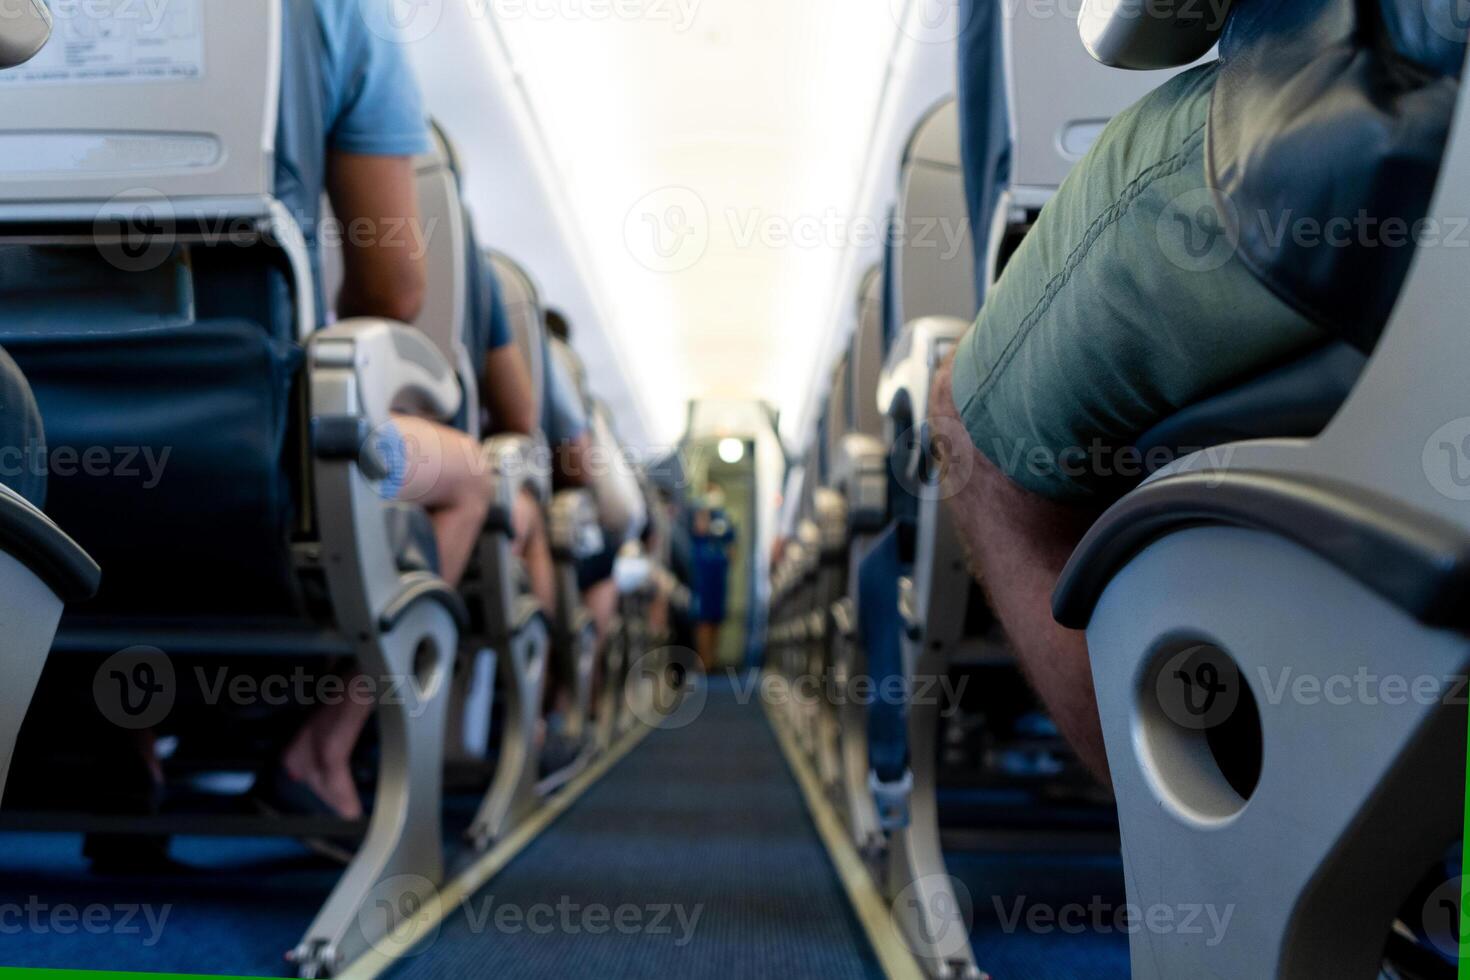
<point x="1045" y="916"/>
<point x="700" y="840"/>
<point x="232" y="906"/>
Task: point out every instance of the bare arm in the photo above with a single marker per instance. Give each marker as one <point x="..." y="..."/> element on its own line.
<point x="574" y="463"/>
<point x="507" y="391"/>
<point x="375" y="199"/>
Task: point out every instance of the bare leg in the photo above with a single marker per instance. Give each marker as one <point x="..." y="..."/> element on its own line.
<point x="320" y="754"/>
<point x="444" y="476"/>
<point x="707" y="643"/>
<point x="532" y="547"/>
<point x="1018" y="544"/>
<point x="601" y="600"/>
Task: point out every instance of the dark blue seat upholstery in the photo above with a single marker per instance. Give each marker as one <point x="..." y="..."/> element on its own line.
<point x="179" y="383"/>
<point x="985" y="139"/>
<point x="891" y="326"/>
<point x="22" y="439"/>
<point x="881" y="627"/>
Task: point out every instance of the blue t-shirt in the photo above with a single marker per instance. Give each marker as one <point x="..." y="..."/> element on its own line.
<point x="346" y="85"/>
<point x="373" y="105"/>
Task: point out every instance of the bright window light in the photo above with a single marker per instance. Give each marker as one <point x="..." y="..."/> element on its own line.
<point x="732" y="451"/>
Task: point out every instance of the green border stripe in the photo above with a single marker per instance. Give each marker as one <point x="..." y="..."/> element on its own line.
<point x="21" y="973"/>
<point x="1464" y="933"/>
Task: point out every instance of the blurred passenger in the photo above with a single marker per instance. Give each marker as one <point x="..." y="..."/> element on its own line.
<point x="713" y="535"/>
<point x="373" y="121"/>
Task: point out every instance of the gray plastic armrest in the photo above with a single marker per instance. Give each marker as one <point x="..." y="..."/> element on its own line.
<point x="860" y="473"/>
<point x="634" y="571"/>
<point x="35" y="541"/>
<point x="398" y="369"/>
<point x="829" y="511"/>
<point x="360" y="371"/>
<point x="25" y="27"/>
<point x="575" y="533"/>
<point x="1416" y="560"/>
<point x="516" y="463"/>
<point x="908" y="375"/>
<point x="1145" y="35"/>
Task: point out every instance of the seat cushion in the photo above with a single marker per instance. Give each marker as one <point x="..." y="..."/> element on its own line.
<point x="1296" y="400"/>
<point x="1126" y="303"/>
<point x="1327" y="131"/>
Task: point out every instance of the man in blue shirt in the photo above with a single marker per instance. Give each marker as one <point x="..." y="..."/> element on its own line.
<point x="351" y="122"/>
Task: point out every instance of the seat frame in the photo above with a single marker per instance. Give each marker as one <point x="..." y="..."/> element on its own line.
<point x="1354" y="800"/>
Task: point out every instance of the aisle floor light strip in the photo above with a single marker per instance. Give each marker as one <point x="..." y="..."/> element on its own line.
<point x="872" y="911"/>
<point x="402" y="941"/>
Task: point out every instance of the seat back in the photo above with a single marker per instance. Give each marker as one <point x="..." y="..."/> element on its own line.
<point x="1060" y="98"/>
<point x="866" y="357"/>
<point x="839" y="418"/>
<point x="449" y="296"/>
<point x="160" y="328"/>
<point x="523" y="306"/>
<point x="934" y="259"/>
<point x="78" y="139"/>
<point x="445" y="317"/>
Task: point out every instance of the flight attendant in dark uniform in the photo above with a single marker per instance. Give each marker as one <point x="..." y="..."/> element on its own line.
<point x="713" y="534"/>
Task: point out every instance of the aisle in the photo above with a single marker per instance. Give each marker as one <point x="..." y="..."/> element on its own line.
<point x="694" y="857"/>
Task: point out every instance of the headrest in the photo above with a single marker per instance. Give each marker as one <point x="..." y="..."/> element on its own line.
<point x="24" y="30"/>
<point x="934" y="258"/>
<point x="523" y="308"/>
<point x="866" y="356"/>
<point x="180" y="108"/>
<point x="1150" y="34"/>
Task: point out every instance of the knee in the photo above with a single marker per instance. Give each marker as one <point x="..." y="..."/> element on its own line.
<point x="526" y="520"/>
<point x="475" y="485"/>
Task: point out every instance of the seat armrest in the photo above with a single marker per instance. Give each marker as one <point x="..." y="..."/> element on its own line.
<point x="575" y="533"/>
<point x="397" y="369"/>
<point x="1145" y="35"/>
<point x="35" y="541"/>
<point x="633" y="571"/>
<point x="1416" y="560"/>
<point x="829" y="508"/>
<point x="515" y="463"/>
<point x="908" y="376"/>
<point x="860" y="474"/>
<point x="359" y="372"/>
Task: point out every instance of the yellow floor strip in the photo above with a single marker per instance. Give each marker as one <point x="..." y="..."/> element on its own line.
<point x="388" y="951"/>
<point x="872" y="911"/>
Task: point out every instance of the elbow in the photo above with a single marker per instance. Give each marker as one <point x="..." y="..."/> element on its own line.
<point x="397" y="296"/>
<point x="521" y="420"/>
<point x="406" y="299"/>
